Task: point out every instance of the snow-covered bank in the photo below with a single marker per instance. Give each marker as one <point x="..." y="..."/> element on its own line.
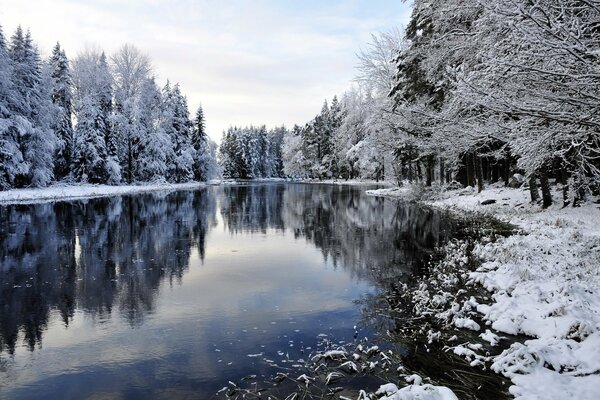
<point x="351" y="182"/>
<point x="544" y="283"/>
<point x="68" y="192"/>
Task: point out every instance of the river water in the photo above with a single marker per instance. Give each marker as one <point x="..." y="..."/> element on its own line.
<point x="172" y="295"/>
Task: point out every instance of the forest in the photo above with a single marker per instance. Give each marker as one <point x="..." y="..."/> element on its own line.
<point x="469" y="93"/>
<point x="97" y="119"/>
<point x="473" y="92"/>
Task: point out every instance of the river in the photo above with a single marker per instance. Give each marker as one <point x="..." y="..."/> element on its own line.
<point x="172" y="295"/>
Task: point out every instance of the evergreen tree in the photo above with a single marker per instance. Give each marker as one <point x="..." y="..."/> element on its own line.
<point x="176" y="124"/>
<point x="90" y="157"/>
<point x="154" y="145"/>
<point x="36" y="138"/>
<point x="11" y="158"/>
<point x="62" y="99"/>
<point x="104" y="123"/>
<point x="200" y="143"/>
<point x="91" y="84"/>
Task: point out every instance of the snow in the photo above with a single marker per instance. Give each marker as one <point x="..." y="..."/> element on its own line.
<point x="544" y="283"/>
<point x="416" y="391"/>
<point x="68" y="192"/>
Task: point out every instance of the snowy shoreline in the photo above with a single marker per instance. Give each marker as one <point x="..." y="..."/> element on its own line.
<point x="543" y="283"/>
<point x="71" y="192"/>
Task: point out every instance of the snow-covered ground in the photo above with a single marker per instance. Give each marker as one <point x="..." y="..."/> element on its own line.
<point x="544" y="283"/>
<point x="353" y="182"/>
<point x="66" y="192"/>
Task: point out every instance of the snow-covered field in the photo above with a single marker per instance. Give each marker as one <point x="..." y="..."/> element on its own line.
<point x="65" y="192"/>
<point x="544" y="283"/>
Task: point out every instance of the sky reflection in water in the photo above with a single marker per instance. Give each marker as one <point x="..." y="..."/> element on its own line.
<point x="165" y="295"/>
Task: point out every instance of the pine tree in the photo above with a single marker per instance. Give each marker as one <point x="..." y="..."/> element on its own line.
<point x="11" y="158"/>
<point x="62" y="124"/>
<point x="154" y="145"/>
<point x="201" y="146"/>
<point x="176" y="124"/>
<point x="91" y="82"/>
<point x="36" y="139"/>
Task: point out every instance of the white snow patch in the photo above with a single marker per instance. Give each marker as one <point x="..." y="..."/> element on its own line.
<point x="68" y="192"/>
<point x="415" y="392"/>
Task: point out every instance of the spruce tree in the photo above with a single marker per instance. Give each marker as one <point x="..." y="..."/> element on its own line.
<point x="176" y="124"/>
<point x="62" y="99"/>
<point x="104" y="122"/>
<point x="36" y="138"/>
<point x="91" y="82"/>
<point x="11" y="158"/>
<point x="201" y="147"/>
<point x="154" y="145"/>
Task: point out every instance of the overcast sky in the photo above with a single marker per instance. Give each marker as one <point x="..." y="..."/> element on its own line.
<point x="248" y="62"/>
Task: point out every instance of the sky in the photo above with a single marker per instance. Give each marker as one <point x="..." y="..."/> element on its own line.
<point x="257" y="62"/>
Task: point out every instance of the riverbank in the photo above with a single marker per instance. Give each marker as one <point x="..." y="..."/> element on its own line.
<point x="70" y="192"/>
<point x="542" y="282"/>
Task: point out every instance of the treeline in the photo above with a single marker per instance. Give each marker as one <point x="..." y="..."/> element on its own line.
<point x="95" y="120"/>
<point x="333" y="145"/>
<point x="252" y="152"/>
<point x="473" y="91"/>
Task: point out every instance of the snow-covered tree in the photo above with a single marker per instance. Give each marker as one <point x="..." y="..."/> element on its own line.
<point x="252" y="152"/>
<point x="33" y="105"/>
<point x="538" y="81"/>
<point x="91" y="81"/>
<point x="295" y="164"/>
<point x="177" y="126"/>
<point x="62" y="99"/>
<point x="11" y="158"/>
<point x="154" y="146"/>
<point x="204" y="162"/>
<point x="131" y="70"/>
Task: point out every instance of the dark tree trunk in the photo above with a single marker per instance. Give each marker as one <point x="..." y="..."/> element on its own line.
<point x="506" y="171"/>
<point x="545" y="185"/>
<point x="479" y="172"/>
<point x="442" y="171"/>
<point x="430" y="163"/>
<point x="533" y="189"/>
<point x="469" y="162"/>
<point x="564" y="179"/>
<point x="494" y="171"/>
<point x="419" y="172"/>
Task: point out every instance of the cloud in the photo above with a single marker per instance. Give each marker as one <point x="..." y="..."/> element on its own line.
<point x="247" y="62"/>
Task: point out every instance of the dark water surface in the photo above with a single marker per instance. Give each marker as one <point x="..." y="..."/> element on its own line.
<point x="172" y="295"/>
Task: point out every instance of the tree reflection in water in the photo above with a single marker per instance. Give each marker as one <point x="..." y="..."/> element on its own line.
<point x="107" y="257"/>
<point x="95" y="256"/>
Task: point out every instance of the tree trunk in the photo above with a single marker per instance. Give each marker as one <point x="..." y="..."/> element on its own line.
<point x="419" y="172"/>
<point x="430" y="163"/>
<point x="533" y="189"/>
<point x="469" y="162"/>
<point x="479" y="172"/>
<point x="564" y="178"/>
<point x="442" y="171"/>
<point x="545" y="185"/>
<point x="506" y="171"/>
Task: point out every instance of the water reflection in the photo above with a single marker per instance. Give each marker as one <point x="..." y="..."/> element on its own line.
<point x="113" y="259"/>
<point x="370" y="237"/>
<point x="96" y="256"/>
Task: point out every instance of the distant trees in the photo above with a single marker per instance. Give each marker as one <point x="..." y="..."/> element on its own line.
<point x="252" y="152"/>
<point x="98" y="120"/>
